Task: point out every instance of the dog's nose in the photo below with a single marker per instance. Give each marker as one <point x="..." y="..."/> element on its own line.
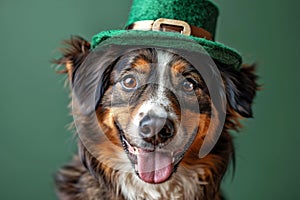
<point x="156" y="129"/>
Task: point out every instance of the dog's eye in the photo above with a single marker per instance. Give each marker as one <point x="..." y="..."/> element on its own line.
<point x="188" y="86"/>
<point x="129" y="82"/>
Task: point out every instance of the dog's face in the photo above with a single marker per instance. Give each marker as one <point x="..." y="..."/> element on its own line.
<point x="158" y="103"/>
<point x="155" y="108"/>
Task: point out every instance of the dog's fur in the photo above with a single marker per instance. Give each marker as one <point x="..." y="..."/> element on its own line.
<point x="89" y="177"/>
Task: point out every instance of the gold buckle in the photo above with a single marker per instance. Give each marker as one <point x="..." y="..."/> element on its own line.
<point x="157" y="25"/>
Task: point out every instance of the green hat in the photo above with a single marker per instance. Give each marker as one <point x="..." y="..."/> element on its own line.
<point x="153" y="22"/>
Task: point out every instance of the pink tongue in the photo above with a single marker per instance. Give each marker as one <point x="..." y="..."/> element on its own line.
<point x="154" y="167"/>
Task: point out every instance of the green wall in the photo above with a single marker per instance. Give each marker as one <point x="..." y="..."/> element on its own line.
<point x="33" y="103"/>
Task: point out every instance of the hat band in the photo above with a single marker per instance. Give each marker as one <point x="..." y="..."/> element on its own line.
<point x="170" y="25"/>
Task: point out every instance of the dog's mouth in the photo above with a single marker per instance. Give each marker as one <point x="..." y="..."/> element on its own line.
<point x="152" y="166"/>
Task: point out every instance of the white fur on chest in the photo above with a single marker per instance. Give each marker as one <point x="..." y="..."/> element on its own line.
<point x="184" y="184"/>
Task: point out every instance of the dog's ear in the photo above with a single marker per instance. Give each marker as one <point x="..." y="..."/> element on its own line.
<point x="75" y="51"/>
<point x="240" y="88"/>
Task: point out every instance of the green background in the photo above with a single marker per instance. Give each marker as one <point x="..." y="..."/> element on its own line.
<point x="34" y="140"/>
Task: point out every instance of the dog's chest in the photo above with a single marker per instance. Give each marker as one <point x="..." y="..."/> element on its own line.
<point x="185" y="184"/>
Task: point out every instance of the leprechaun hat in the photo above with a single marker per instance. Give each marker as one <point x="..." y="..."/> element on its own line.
<point x="160" y="23"/>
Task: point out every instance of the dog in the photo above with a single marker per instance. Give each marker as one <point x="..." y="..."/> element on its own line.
<point x="156" y="120"/>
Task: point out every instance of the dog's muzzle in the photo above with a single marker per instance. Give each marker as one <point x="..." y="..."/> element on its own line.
<point x="152" y="161"/>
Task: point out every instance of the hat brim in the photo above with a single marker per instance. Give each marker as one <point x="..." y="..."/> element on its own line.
<point x="218" y="51"/>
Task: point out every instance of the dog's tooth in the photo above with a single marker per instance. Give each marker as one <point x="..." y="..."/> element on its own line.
<point x="135" y="150"/>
